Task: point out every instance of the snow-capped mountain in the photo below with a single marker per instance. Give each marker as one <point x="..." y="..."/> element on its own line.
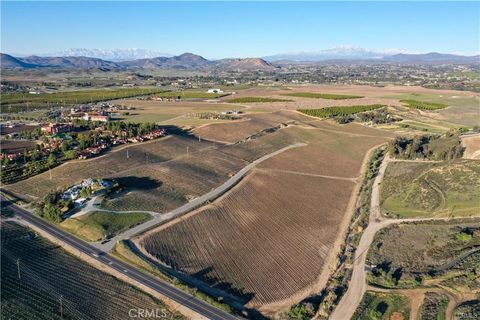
<point x="337" y="53"/>
<point x="110" y="55"/>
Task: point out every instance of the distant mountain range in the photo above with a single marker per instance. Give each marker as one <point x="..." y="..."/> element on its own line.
<point x="353" y="54"/>
<point x="186" y="61"/>
<point x="337" y="53"/>
<point x="105" y="54"/>
<point x="190" y="61"/>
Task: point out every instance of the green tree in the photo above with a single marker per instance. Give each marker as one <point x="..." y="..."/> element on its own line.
<point x="52" y="159"/>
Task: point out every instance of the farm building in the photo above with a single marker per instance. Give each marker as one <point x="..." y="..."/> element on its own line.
<point x="214" y="91"/>
<point x="95" y="117"/>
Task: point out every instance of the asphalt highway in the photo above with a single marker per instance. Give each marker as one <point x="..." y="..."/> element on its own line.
<point x="133" y="273"/>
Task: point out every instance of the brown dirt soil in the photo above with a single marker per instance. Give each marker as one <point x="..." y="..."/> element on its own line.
<point x="472" y="147"/>
<point x="258" y="239"/>
<point x="254" y="122"/>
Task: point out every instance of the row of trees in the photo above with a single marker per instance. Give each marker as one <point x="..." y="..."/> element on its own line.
<point x="340" y="111"/>
<point x="423" y="105"/>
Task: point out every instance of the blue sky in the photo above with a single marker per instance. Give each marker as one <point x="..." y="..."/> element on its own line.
<point x="239" y="29"/>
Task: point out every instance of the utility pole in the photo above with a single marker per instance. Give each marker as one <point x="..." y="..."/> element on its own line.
<point x="128" y="156"/>
<point x="61" y="306"/>
<point x="18" y="268"/>
<point x="50" y="172"/>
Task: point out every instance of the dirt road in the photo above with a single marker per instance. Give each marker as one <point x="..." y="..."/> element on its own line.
<point x="358" y="286"/>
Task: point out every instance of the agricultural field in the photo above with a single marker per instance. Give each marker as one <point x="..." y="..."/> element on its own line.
<point x="112" y="163"/>
<point x="15" y="146"/>
<point x="52" y="280"/>
<point x="423" y="105"/>
<point x="171" y="113"/>
<point x="257" y="214"/>
<point x="100" y="225"/>
<point x="316" y="95"/>
<point x="255" y="100"/>
<point x="337" y="151"/>
<point x="383" y="306"/>
<point x="215" y="243"/>
<point x="15" y="102"/>
<point x="430" y="252"/>
<point x="253" y="123"/>
<point x="329" y="112"/>
<point x="462" y="106"/>
<point x="164" y="186"/>
<point x="190" y="94"/>
<point x="443" y="189"/>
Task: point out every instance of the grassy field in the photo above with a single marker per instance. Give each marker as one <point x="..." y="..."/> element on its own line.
<point x="431" y="189"/>
<point x="255" y="100"/>
<point x="99" y="225"/>
<point x="48" y="274"/>
<point x="329" y="112"/>
<point x="315" y="95"/>
<point x="376" y="306"/>
<point x="444" y="251"/>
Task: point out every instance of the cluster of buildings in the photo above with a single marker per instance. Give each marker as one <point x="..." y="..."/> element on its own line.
<point x="96" y="186"/>
<point x="56" y="128"/>
<point x="167" y="99"/>
<point x="101" y="112"/>
<point x="102" y="145"/>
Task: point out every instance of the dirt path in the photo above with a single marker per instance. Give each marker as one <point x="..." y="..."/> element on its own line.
<point x="354" y="180"/>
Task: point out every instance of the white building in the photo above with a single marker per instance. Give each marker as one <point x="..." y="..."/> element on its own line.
<point x="214" y="91"/>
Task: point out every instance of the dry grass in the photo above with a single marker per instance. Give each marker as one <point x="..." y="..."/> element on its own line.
<point x="472" y="147"/>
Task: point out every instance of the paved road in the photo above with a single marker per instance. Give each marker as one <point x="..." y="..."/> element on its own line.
<point x="195" y="203"/>
<point x="133" y="273"/>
